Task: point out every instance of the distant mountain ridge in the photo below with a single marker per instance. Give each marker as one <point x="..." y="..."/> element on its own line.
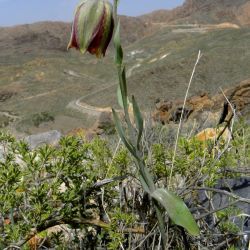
<point x="41" y="35"/>
<point x="55" y="35"/>
<point x="204" y="11"/>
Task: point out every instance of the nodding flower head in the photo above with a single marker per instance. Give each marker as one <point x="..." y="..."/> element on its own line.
<point x="93" y="26"/>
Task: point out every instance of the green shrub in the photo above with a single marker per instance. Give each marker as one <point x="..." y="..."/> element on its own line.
<point x="39" y="118"/>
<point x="95" y="193"/>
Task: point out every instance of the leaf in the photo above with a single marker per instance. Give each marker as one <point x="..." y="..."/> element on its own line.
<point x="118" y="47"/>
<point x="121" y="133"/>
<point x="107" y="181"/>
<point x="138" y="119"/>
<point x="177" y="210"/>
<point x="161" y="222"/>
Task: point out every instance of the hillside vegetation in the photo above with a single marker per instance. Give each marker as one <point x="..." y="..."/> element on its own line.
<point x="87" y="194"/>
<point x="204" y="12"/>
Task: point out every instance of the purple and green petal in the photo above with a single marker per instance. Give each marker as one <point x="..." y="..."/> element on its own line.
<point x="105" y="28"/>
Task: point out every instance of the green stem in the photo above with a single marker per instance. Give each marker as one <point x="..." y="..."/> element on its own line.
<point x="145" y="175"/>
<point x="143" y="171"/>
<point x="115" y="12"/>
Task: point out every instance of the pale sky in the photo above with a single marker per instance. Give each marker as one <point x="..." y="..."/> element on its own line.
<point x="13" y="12"/>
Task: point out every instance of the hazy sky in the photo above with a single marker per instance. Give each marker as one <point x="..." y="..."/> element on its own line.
<point x="14" y="12"/>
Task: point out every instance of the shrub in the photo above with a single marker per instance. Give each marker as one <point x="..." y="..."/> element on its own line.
<point x="39" y="118"/>
<point x="82" y="194"/>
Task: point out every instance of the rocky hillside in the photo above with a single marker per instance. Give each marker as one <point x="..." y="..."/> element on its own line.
<point x="55" y="35"/>
<point x="205" y="107"/>
<point x="44" y="87"/>
<point x="30" y="37"/>
<point x="203" y="12"/>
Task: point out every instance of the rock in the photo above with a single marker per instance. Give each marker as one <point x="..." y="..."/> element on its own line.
<point x="237" y="186"/>
<point x="239" y="97"/>
<point x="202" y="101"/>
<point x="206" y="117"/>
<point x="51" y="137"/>
<point x="213" y="133"/>
<point x="175" y="114"/>
<point x="164" y="106"/>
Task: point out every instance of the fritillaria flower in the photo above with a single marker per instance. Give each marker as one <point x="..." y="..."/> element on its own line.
<point x="93" y="26"/>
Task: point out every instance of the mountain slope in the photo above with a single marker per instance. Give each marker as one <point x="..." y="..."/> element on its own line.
<point x="164" y="64"/>
<point x="43" y="86"/>
<point x="54" y="36"/>
<point x="204" y="12"/>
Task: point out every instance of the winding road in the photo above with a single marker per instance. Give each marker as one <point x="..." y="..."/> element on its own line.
<point x="85" y="108"/>
<point x="8" y="114"/>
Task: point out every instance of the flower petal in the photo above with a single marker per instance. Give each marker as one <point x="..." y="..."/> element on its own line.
<point x="92" y="27"/>
<point x="104" y="33"/>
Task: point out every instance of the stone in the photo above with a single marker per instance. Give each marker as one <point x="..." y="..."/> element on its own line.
<point x="238" y="186"/>
<point x="51" y="137"/>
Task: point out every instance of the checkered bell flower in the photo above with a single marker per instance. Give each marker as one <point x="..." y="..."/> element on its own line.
<point x="92" y="27"/>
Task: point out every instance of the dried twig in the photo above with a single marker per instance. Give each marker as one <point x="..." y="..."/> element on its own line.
<point x="145" y="238"/>
<point x="240" y="199"/>
<point x="215" y="210"/>
<point x="182" y="113"/>
<point x="237" y="171"/>
<point x="224" y="243"/>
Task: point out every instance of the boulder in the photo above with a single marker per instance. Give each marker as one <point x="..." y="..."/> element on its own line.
<point x="237" y="186"/>
<point x="51" y="137"/>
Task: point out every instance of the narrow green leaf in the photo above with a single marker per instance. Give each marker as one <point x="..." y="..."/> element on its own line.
<point x="118" y="47"/>
<point x="138" y="120"/>
<point x="148" y="176"/>
<point x="121" y="133"/>
<point x="177" y="210"/>
<point x="161" y="222"/>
